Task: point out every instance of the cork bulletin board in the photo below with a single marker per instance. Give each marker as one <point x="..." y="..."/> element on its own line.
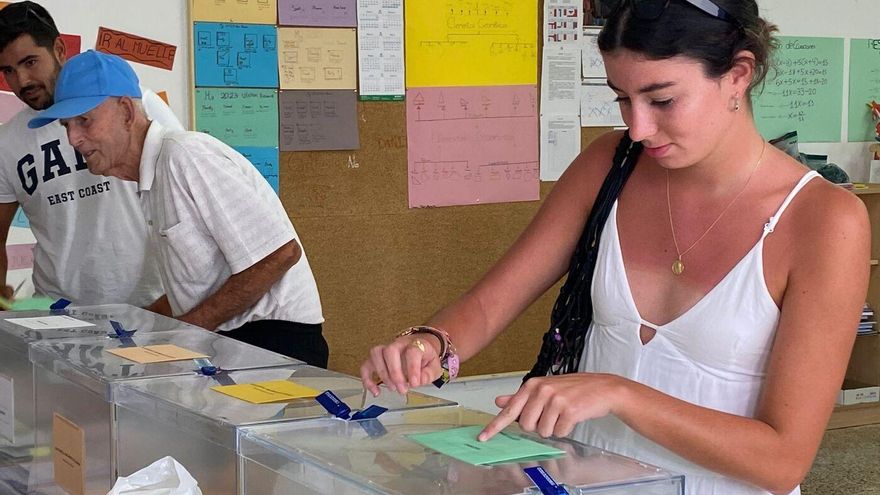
<point x="381" y="266"/>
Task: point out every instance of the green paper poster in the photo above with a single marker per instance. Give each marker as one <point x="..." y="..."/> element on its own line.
<point x="805" y="93"/>
<point x="864" y="86"/>
<point x="238" y="117"/>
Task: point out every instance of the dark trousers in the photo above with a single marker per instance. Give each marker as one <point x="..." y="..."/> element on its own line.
<point x="301" y="341"/>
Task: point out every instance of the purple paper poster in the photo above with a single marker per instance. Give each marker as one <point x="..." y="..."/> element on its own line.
<point x="325" y="13"/>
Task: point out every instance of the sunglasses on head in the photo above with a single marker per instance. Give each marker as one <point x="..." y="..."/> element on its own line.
<point x="650" y="10"/>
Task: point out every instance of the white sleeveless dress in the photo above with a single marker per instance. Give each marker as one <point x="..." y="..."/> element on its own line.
<point x="714" y="355"/>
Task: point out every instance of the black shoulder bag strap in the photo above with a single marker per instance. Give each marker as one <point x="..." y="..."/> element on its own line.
<point x="572" y="314"/>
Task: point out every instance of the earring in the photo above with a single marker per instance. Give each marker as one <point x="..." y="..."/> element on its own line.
<point x="736" y="103"/>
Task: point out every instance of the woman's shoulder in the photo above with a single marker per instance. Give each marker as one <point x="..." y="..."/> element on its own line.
<point x="826" y="210"/>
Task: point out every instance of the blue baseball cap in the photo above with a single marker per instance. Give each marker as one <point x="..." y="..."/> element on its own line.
<point x="85" y="81"/>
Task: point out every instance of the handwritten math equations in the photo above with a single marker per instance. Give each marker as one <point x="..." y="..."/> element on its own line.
<point x="472" y="145"/>
<point x="471" y="43"/>
<point x="806" y="94"/>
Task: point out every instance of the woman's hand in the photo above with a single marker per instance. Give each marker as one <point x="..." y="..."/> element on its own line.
<point x="410" y="361"/>
<point x="553" y="405"/>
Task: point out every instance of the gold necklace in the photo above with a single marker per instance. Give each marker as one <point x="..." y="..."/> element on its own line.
<point x="678" y="264"/>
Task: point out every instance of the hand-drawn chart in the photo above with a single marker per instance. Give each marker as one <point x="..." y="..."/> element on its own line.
<point x="318" y="120"/>
<point x="472" y="145"/>
<point x="599" y="107"/>
<point x="238" y="117"/>
<point x="317" y="58"/>
<point x="471" y="43"/>
<point x="242" y="55"/>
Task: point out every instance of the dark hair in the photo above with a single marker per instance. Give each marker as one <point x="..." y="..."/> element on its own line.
<point x="685" y="30"/>
<point x="28" y="18"/>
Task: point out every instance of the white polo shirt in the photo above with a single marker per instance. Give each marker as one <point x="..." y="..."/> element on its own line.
<point x="213" y="215"/>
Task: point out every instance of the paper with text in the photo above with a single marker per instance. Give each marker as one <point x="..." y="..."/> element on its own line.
<point x="242" y="55"/>
<point x="267" y="392"/>
<point x="238" y="117"/>
<point x="326" y="13"/>
<point x="380" y="50"/>
<point x="467" y="43"/>
<point x="248" y="11"/>
<point x="136" y="48"/>
<point x="50" y="322"/>
<point x="317" y="58"/>
<point x="472" y="145"/>
<point x="318" y="120"/>
<point x="462" y="444"/>
<point x="806" y="93"/>
<point x="265" y="159"/>
<point x="560" y="144"/>
<point x="592" y="63"/>
<point x="864" y="86"/>
<point x="561" y="79"/>
<point x="159" y="353"/>
<point x="68" y="455"/>
<point x="599" y="107"/>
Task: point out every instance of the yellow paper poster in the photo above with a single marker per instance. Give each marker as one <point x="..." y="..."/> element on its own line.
<point x="160" y="353"/>
<point x="247" y="11"/>
<point x="317" y="58"/>
<point x="468" y="43"/>
<point x="267" y="392"/>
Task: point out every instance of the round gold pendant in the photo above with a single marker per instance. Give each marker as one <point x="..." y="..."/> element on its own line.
<point x="677" y="267"/>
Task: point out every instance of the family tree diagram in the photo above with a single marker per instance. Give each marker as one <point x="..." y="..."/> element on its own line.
<point x="471" y="42"/>
<point x="472" y="145"/>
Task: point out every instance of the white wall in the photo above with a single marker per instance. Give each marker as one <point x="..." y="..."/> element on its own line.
<point x="161" y="20"/>
<point x="838" y="19"/>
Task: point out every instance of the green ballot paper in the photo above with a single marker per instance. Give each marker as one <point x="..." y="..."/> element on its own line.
<point x="462" y="444"/>
<point x="28" y="303"/>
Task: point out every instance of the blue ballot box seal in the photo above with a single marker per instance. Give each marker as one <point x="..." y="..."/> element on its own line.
<point x="542" y="479"/>
<point x="59" y="305"/>
<point x="124" y="336"/>
<point x="366" y="418"/>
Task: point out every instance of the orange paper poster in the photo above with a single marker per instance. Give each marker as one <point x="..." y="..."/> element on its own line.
<point x="163" y="95"/>
<point x="72" y="43"/>
<point x="3" y="4"/>
<point x="136" y="48"/>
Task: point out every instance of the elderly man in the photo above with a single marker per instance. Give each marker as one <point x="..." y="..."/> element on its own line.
<point x="68" y="208"/>
<point x="229" y="256"/>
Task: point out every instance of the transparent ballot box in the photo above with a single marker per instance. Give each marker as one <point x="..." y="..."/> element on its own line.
<point x="20" y="328"/>
<point x="75" y="382"/>
<point x="378" y="457"/>
<point x="190" y="421"/>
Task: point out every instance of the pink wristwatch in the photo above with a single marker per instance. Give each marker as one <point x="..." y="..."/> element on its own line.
<point x="449" y="361"/>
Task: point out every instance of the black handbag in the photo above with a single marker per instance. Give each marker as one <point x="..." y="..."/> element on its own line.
<point x="563" y="344"/>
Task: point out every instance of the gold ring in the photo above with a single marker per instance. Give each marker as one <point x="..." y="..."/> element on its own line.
<point x="418" y="344"/>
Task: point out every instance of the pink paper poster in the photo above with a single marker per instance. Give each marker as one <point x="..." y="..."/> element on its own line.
<point x="9" y="106"/>
<point x="20" y="256"/>
<point x="472" y="145"/>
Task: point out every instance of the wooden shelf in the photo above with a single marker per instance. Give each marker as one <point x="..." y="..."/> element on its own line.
<point x="860" y="189"/>
<point x="855" y="415"/>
